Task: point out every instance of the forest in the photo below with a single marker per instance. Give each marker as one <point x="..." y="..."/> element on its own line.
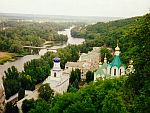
<point x="126" y="94"/>
<point x="14" y="35"/>
<point x="107" y="34"/>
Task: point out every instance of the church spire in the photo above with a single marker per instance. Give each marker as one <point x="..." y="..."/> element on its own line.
<point x="117" y="49"/>
<point x="105" y="59"/>
<point x="100" y="64"/>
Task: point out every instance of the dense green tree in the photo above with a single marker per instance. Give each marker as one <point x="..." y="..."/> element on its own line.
<point x="75" y="74"/>
<point x="71" y="88"/>
<point x="11" y="108"/>
<point x="41" y="106"/>
<point x="84" y="48"/>
<point x="89" y="76"/>
<point x="62" y="102"/>
<point x="11" y="82"/>
<point x="141" y="103"/>
<point x="21" y="94"/>
<point x="139" y="81"/>
<point x="84" y="107"/>
<point x="38" y="69"/>
<point x="72" y="77"/>
<point x="105" y="51"/>
<point x="74" y="80"/>
<point x="75" y="84"/>
<point x="15" y="80"/>
<point x="12" y="73"/>
<point x="26" y="82"/>
<point x="46" y="93"/>
<point x="74" y="54"/>
<point x="113" y="102"/>
<point x="11" y="87"/>
<point x="27" y="105"/>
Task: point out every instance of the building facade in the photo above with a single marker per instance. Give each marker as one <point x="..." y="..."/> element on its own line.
<point x="58" y="81"/>
<point x="87" y="62"/>
<point x="113" y="69"/>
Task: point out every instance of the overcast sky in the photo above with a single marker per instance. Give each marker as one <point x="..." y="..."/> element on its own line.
<point x="113" y="8"/>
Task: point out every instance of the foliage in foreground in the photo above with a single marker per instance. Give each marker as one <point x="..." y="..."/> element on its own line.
<point x="11" y="108"/>
<point x="14" y="81"/>
<point x="46" y="93"/>
<point x="99" y="97"/>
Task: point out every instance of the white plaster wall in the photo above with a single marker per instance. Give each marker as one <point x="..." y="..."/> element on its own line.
<point x="94" y="76"/>
<point x="57" y="64"/>
<point x="62" y="88"/>
<point x="108" y="70"/>
<point x="112" y="71"/>
<point x="58" y="73"/>
<point x="122" y="70"/>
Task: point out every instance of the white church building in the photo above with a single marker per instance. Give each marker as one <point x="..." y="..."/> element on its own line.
<point x="113" y="69"/>
<point x="58" y="81"/>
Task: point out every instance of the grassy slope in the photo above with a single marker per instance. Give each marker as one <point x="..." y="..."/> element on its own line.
<point x="5" y="56"/>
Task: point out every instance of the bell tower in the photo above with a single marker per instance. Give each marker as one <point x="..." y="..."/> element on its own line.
<point x="56" y="70"/>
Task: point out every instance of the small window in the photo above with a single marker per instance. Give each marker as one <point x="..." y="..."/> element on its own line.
<point x="54" y="74"/>
<point x="120" y="71"/>
<point x="114" y="72"/>
<point x="66" y="67"/>
<point x="110" y="71"/>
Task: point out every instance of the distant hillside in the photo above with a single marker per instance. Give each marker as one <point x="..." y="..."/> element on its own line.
<point x="107" y="34"/>
<point x="55" y="18"/>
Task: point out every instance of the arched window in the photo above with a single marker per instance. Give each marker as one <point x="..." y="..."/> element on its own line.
<point x="120" y="71"/>
<point x="54" y="74"/>
<point x="114" y="72"/>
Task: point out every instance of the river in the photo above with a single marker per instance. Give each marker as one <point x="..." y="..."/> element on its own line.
<point x="20" y="61"/>
<point x="71" y="40"/>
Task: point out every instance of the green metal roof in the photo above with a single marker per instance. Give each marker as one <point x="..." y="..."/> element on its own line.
<point x="116" y="61"/>
<point x="104" y="65"/>
<point x="100" y="70"/>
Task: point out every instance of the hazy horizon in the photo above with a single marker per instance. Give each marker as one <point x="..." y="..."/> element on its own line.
<point x="107" y="8"/>
<point x="55" y="15"/>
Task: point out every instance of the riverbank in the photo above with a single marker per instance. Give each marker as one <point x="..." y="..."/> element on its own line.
<point x="6" y="56"/>
<point x="9" y="57"/>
